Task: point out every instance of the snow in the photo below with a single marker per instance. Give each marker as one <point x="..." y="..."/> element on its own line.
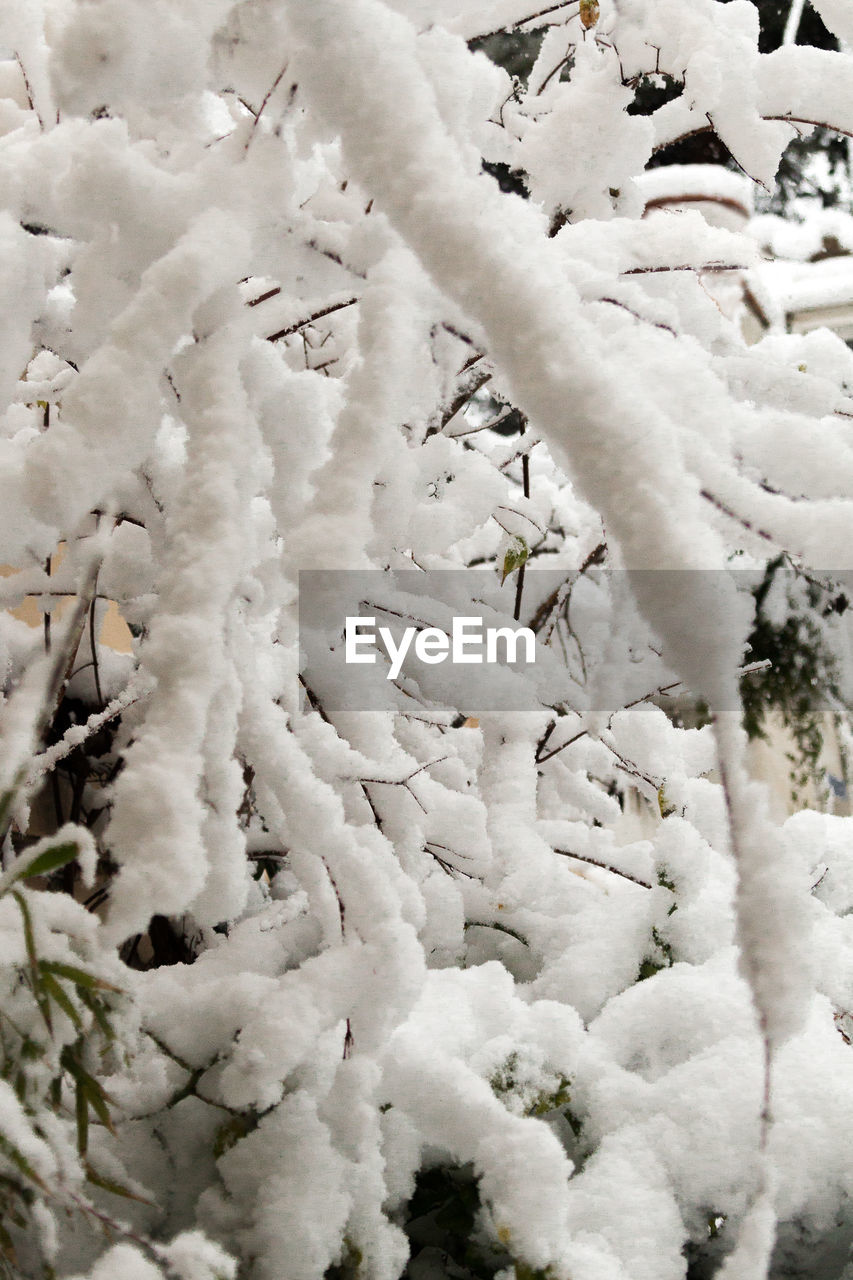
<point x="696" y="181"/>
<point x="264" y="315"/>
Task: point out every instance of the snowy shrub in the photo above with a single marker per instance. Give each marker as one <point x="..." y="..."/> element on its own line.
<point x="292" y="989"/>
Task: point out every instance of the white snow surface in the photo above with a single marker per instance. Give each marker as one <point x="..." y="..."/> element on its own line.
<point x="264" y="312"/>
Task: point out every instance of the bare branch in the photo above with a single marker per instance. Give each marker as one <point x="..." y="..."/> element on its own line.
<point x="605" y="866"/>
<point x="316" y="315"/>
<point x="521" y="22"/>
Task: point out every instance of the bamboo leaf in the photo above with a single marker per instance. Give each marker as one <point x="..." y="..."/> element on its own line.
<point x="94" y="1094"/>
<point x="81" y="1109"/>
<point x="50" y="860"/>
<point x="20" y="1161"/>
<point x="116" y="1188"/>
<point x="30" y="944"/>
<point x="79" y="977"/>
<point x="57" y="993"/>
<point x="98" y="1011"/>
<point x="98" y="1102"/>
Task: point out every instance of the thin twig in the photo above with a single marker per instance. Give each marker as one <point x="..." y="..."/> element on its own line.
<point x="28" y="87"/>
<point x="817" y="124"/>
<point x="77" y="734"/>
<point x="264" y="297"/>
<point x="520" y="22"/>
<point x="605" y="866"/>
<point x="490" y="426"/>
<point x="317" y="315"/>
<point x="468" y="389"/>
<point x="503" y="507"/>
<point x="554" y="71"/>
<point x="402" y="782"/>
<point x="260" y="110"/>
<point x="447" y="867"/>
<point x="733" y="515"/>
<point x="556" y="751"/>
<point x="657" y="324"/>
<point x="94" y="646"/>
<point x="706" y="268"/>
<point x="525" y="485"/>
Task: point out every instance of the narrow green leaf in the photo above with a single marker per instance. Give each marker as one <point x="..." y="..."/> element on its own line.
<point x="81" y="1110"/>
<point x="98" y="1011"/>
<point x="116" y="1188"/>
<point x="79" y="976"/>
<point x="56" y="992"/>
<point x="29" y="942"/>
<point x="20" y="1161"/>
<point x="98" y="1102"/>
<point x="50" y="860"/>
<point x="94" y="1094"/>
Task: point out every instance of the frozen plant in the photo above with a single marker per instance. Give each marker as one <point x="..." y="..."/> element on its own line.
<point x="294" y="991"/>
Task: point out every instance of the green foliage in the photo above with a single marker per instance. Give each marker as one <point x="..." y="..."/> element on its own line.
<point x="827" y="183"/>
<point x="508" y="1082"/>
<point x="56" y="1026"/>
<point x="559" y="1100"/>
<point x="504" y="1080"/>
<point x="661" y="955"/>
<point x="443" y="1218"/>
<point x="516" y="555"/>
<point x="446" y="1226"/>
<point x="51" y="859"/>
<point x="802" y="678"/>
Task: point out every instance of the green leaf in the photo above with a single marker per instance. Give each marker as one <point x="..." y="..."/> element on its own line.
<point x="79" y="977"/>
<point x="81" y="1111"/>
<point x="516" y="555"/>
<point x="50" y="860"/>
<point x="92" y="1091"/>
<point x="55" y="992"/>
<point x="29" y="942"/>
<point x="5" y="804"/>
<point x="115" y="1188"/>
<point x="20" y="1161"/>
<point x="30" y="1050"/>
<point x="667" y="808"/>
<point x="98" y="1103"/>
<point x="547" y="1102"/>
<point x="98" y="1011"/>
